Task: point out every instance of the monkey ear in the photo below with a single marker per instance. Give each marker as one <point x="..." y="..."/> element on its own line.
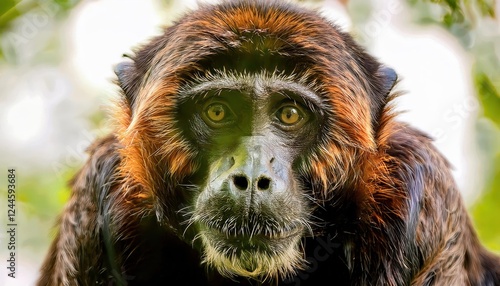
<point x="389" y="79"/>
<point x="128" y="80"/>
<point x="385" y="80"/>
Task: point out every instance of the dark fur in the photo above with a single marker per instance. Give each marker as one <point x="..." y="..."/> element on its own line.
<point x="390" y="212"/>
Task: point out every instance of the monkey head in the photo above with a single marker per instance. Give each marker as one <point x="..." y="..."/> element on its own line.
<point x="240" y="120"/>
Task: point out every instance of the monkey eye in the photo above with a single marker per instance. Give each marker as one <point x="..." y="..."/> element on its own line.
<point x="290" y="115"/>
<point x="217" y="114"/>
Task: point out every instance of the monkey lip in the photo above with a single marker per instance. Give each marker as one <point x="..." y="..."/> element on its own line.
<point x="255" y="241"/>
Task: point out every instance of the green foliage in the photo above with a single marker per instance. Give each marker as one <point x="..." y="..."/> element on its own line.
<point x="488" y="96"/>
<point x="11" y="11"/>
<point x="459" y="11"/>
<point x="45" y="193"/>
<point x="486" y="211"/>
<point x="8" y="12"/>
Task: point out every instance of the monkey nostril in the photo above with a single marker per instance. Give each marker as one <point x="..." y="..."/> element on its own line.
<point x="240" y="182"/>
<point x="263" y="184"/>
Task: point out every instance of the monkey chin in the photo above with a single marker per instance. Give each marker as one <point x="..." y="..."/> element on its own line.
<point x="261" y="258"/>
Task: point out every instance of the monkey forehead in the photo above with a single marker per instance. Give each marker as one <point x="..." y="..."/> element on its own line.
<point x="253" y="34"/>
<point x="242" y="19"/>
<point x="258" y="85"/>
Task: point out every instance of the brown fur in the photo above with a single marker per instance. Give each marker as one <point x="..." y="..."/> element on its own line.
<point x="386" y="194"/>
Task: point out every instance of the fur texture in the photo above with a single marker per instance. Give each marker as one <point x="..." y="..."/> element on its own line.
<point x="386" y="210"/>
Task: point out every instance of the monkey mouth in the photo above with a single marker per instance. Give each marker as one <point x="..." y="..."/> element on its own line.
<point x="258" y="241"/>
<point x="258" y="255"/>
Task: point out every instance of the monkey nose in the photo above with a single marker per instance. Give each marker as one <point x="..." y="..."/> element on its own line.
<point x="242" y="182"/>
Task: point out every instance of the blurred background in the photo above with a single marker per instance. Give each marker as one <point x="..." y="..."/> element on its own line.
<point x="56" y="85"/>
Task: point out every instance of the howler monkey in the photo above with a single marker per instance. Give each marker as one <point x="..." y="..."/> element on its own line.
<point x="255" y="144"/>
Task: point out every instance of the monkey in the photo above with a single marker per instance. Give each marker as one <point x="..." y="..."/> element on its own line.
<point x="255" y="143"/>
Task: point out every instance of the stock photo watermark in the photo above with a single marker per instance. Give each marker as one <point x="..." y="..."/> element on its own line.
<point x="11" y="225"/>
<point x="325" y="248"/>
<point x="30" y="24"/>
<point x="75" y="154"/>
<point x="455" y="116"/>
<point x="381" y="19"/>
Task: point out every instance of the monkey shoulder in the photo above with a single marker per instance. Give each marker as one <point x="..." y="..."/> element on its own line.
<point x="100" y="170"/>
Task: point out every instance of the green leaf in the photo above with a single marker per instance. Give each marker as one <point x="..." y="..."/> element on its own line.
<point x="488" y="96"/>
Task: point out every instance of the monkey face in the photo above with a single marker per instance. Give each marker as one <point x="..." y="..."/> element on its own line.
<point x="250" y="209"/>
